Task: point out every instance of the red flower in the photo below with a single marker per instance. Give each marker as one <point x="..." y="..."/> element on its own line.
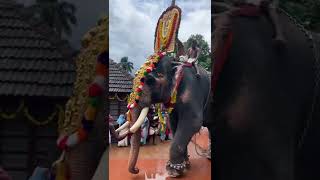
<point x="62" y="144"/>
<point x="95" y="90"/>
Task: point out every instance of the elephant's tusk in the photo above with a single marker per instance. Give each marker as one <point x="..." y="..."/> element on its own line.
<point x="140" y="120"/>
<point x="123" y="126"/>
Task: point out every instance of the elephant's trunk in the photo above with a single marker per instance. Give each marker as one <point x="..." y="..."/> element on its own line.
<point x="136" y="136"/>
<point x="134" y="152"/>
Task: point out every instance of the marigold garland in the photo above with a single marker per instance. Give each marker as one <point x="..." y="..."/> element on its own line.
<point x="138" y="81"/>
<point x="166" y="42"/>
<point x="94" y="42"/>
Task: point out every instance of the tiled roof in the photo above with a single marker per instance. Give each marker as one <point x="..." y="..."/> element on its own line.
<point x="31" y="64"/>
<point x="119" y="80"/>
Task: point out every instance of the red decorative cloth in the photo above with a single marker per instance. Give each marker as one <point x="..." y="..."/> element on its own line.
<point x="222" y="55"/>
<point x="95" y="90"/>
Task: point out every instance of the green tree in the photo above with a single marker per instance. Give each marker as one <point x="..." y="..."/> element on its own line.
<point x="205" y="55"/>
<point x="126" y="64"/>
<point x="306" y="11"/>
<point x="59" y="15"/>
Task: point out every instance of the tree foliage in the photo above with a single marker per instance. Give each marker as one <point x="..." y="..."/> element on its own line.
<point x="59" y="15"/>
<point x="306" y="11"/>
<point x="205" y="55"/>
<point x="126" y="64"/>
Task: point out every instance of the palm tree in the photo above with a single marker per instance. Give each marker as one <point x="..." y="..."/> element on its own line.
<point x="59" y="15"/>
<point x="126" y="64"/>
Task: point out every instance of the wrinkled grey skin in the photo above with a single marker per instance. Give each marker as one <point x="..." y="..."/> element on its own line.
<point x="261" y="102"/>
<point x="188" y="114"/>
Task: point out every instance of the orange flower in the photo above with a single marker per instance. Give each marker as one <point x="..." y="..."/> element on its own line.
<point x="82" y="134"/>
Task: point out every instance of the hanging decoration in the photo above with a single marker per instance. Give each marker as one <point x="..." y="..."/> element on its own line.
<point x="178" y="78"/>
<point x="94" y="42"/>
<point x="95" y="92"/>
<point x="24" y="110"/>
<point x="12" y="115"/>
<point x="161" y="118"/>
<point x="78" y="124"/>
<point x="34" y="121"/>
<point x="116" y="96"/>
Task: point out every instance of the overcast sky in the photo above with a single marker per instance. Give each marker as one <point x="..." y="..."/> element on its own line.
<point x="132" y="25"/>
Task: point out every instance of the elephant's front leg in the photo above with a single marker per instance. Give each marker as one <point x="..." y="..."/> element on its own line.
<point x="188" y="125"/>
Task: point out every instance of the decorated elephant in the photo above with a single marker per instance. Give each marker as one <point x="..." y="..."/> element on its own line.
<point x="263" y="94"/>
<point x="164" y="80"/>
<point x="187" y="98"/>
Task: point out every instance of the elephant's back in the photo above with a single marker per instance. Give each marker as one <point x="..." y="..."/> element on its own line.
<point x="253" y="57"/>
<point x="278" y="84"/>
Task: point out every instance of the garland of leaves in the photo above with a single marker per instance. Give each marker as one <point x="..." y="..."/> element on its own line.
<point x="32" y="119"/>
<point x="37" y="122"/>
<point x="118" y="98"/>
<point x="13" y="115"/>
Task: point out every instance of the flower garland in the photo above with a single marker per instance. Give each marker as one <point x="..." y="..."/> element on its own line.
<point x="161" y="118"/>
<point x="167" y="29"/>
<point x="96" y="91"/>
<point x="94" y="42"/>
<point x="165" y="39"/>
<point x="138" y="81"/>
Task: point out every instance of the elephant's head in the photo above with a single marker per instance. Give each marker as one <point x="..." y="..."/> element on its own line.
<point x="149" y="88"/>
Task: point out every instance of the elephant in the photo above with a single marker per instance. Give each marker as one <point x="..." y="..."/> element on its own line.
<point x="189" y="114"/>
<point x="261" y="98"/>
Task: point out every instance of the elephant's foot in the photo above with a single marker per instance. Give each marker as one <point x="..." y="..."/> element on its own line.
<point x="208" y="154"/>
<point x="187" y="161"/>
<point x="175" y="170"/>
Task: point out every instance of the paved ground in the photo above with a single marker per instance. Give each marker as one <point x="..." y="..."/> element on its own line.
<point x="152" y="159"/>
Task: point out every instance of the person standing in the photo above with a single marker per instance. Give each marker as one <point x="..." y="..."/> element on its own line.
<point x="121" y="120"/>
<point x="145" y="131"/>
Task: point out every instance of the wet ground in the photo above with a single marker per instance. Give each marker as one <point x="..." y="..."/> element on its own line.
<point x="152" y="160"/>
